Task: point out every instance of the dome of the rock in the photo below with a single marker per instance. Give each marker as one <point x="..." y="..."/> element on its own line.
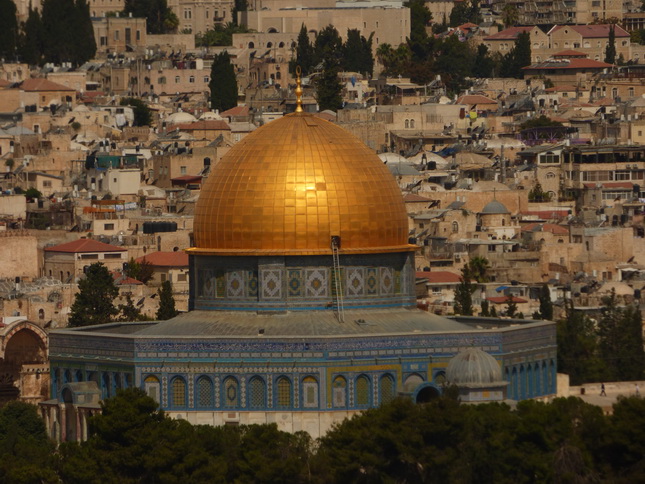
<point x="290" y="186"/>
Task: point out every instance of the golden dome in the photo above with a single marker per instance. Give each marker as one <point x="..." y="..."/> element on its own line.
<point x="290" y="186"/>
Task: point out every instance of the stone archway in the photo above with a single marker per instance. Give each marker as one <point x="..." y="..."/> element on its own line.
<point x="427" y="393"/>
<point x="23" y="363"/>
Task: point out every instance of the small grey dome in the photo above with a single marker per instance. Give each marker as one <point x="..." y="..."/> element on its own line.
<point x="494" y="208"/>
<point x="474" y="367"/>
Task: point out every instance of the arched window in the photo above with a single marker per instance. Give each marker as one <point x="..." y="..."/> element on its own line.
<point x="455" y="227"/>
<point x="204" y="392"/>
<point x="362" y="391"/>
<point x="283" y="397"/>
<point x="251" y="45"/>
<point x="78" y="376"/>
<point x="310" y="392"/>
<point x="41" y="314"/>
<point x="522" y="394"/>
<point x="536" y="374"/>
<point x="269" y="45"/>
<point x="278" y="75"/>
<point x="151" y="386"/>
<point x="257" y="393"/>
<point x="105" y="385"/>
<point x="514" y="384"/>
<point x="281" y="45"/>
<point x="550" y="175"/>
<point x="339" y="392"/>
<point x="407" y="123"/>
<point x="387" y="388"/>
<point x="178" y="392"/>
<point x="231" y="394"/>
<point x="412" y="123"/>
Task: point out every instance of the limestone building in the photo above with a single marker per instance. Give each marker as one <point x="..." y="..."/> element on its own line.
<point x="302" y="302"/>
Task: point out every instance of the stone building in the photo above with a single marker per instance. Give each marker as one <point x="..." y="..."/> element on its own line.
<point x="68" y="261"/>
<point x="302" y="302"/>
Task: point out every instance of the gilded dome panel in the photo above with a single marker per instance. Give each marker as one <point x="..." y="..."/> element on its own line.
<point x="292" y="184"/>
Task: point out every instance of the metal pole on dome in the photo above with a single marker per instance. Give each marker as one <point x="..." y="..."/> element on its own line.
<point x="298" y="90"/>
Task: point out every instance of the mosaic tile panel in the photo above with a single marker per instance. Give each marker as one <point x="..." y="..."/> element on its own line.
<point x="221" y="284"/>
<point x="372" y="281"/>
<point x="235" y="284"/>
<point x="252" y="284"/>
<point x="355" y="281"/>
<point x="397" y="282"/>
<point x="317" y="282"/>
<point x="387" y="281"/>
<point x="271" y="283"/>
<point x="294" y="283"/>
<point x="208" y="283"/>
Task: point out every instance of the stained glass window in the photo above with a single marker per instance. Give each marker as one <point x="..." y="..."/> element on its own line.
<point x="362" y="391"/>
<point x="284" y="392"/>
<point x="340" y="392"/>
<point x="387" y="388"/>
<point x="230" y="392"/>
<point x="204" y="392"/>
<point x="310" y="392"/>
<point x="178" y="392"/>
<point x="257" y="393"/>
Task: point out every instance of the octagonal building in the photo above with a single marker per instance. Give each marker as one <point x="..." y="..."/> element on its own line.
<point x="302" y="302"/>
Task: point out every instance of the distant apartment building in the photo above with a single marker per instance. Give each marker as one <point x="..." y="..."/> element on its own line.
<point x="119" y="34"/>
<point x="545" y="12"/>
<point x="198" y="16"/>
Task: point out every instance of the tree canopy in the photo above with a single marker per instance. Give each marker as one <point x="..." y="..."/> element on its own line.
<point x="142" y="113"/>
<point x="223" y="83"/>
<point x="94" y="303"/>
<point x="166" y="302"/>
<point x="160" y="19"/>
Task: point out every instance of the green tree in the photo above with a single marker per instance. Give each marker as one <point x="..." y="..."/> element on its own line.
<point x="455" y="62"/>
<point x="395" y="62"/>
<point x="485" y="309"/>
<point x="419" y="41"/>
<point x="239" y="6"/>
<point x="166" y="302"/>
<point x="477" y="268"/>
<point x="610" y="50"/>
<point x="8" y="29"/>
<point x="33" y="193"/>
<point x="223" y="83"/>
<point x="538" y="195"/>
<point x="27" y="451"/>
<point x="304" y="53"/>
<point x="142" y="113"/>
<point x="67" y="33"/>
<point x="541" y="121"/>
<point x="483" y="64"/>
<point x="510" y="15"/>
<point x="94" y="303"/>
<point x="328" y="47"/>
<point x="219" y="35"/>
<point x="357" y="53"/>
<point x="130" y="312"/>
<point x="160" y="19"/>
<point x="546" y="306"/>
<point x="465" y="12"/>
<point x="518" y="58"/>
<point x="328" y="86"/>
<point x="577" y="347"/>
<point x="464" y="292"/>
<point x="493" y="312"/>
<point x="31" y="38"/>
<point x="141" y="271"/>
<point x="511" y="306"/>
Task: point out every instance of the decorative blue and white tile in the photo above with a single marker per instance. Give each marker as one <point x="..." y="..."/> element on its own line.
<point x="294" y="282"/>
<point x="372" y="281"/>
<point x="317" y="282"/>
<point x="191" y="395"/>
<point x="251" y="284"/>
<point x="217" y="391"/>
<point x="243" y="391"/>
<point x="355" y="281"/>
<point x="387" y="280"/>
<point x="271" y="283"/>
<point x="208" y="283"/>
<point x="269" y="381"/>
<point x="164" y="391"/>
<point x="235" y="284"/>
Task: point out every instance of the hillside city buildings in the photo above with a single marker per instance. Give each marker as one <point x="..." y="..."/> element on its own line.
<point x="561" y="206"/>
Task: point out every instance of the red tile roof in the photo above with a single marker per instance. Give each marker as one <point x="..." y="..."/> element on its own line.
<point x="504" y="299"/>
<point x="41" y="84"/>
<point x="215" y="125"/>
<point x="4" y="83"/>
<point x="236" y="111"/>
<point x="553" y="228"/>
<point x="594" y="31"/>
<point x="570" y="53"/>
<point x="83" y="246"/>
<point x="439" y="277"/>
<point x="120" y="280"/>
<point x="475" y="99"/>
<point x="166" y="259"/>
<point x="509" y="34"/>
<point x="547" y="214"/>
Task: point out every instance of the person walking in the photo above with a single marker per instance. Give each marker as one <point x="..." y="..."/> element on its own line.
<point x="602" y="390"/>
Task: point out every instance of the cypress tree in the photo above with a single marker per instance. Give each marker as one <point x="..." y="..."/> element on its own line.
<point x="8" y="29"/>
<point x="546" y="306"/>
<point x="223" y="84"/>
<point x="68" y="35"/>
<point x="166" y="302"/>
<point x="94" y="303"/>
<point x="31" y="39"/>
<point x="304" y="53"/>
<point x="328" y="87"/>
<point x="610" y="50"/>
